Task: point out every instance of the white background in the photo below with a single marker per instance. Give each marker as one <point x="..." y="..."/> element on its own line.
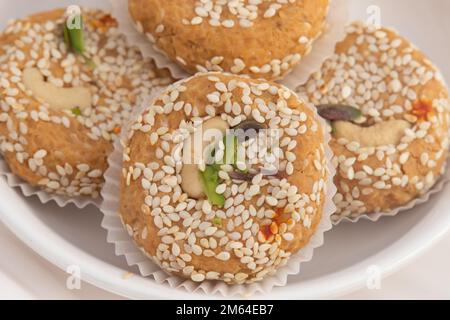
<point x="23" y="274"/>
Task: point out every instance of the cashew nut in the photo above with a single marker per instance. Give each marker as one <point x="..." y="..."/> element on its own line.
<point x="58" y="98"/>
<point x="381" y="134"/>
<point x="190" y="181"/>
<point x="190" y="178"/>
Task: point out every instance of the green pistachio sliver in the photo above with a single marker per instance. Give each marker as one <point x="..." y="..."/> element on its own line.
<point x="75" y="35"/>
<point x="339" y="112"/>
<point x="231" y="144"/>
<point x="74" y="39"/>
<point x="217" y="221"/>
<point x="67" y="36"/>
<point x="210" y="180"/>
<point x="76" y="111"/>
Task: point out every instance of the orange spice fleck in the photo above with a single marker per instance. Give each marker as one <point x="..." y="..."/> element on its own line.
<point x="278" y="212"/>
<point x="266" y="232"/>
<point x="104" y="23"/>
<point x="422" y="109"/>
<point x="116" y="130"/>
<point x="323" y="89"/>
<point x="271" y="232"/>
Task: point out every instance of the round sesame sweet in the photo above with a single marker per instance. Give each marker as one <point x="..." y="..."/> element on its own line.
<point x="223" y="178"/>
<point x="64" y="95"/>
<point x="389" y="111"/>
<point x="263" y="39"/>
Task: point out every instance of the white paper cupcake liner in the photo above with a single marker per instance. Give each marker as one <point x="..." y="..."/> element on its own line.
<point x="125" y="246"/>
<point x="374" y="217"/>
<point x="29" y="191"/>
<point x="322" y="48"/>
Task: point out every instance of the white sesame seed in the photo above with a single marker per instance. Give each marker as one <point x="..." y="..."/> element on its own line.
<point x="346" y="92"/>
<point x="288" y="236"/>
<point x="224" y="256"/>
<point x="228" y="23"/>
<point x="196" y="20"/>
<point x="271" y="201"/>
<point x="40" y="154"/>
<point x="197" y="277"/>
<point x="214" y="97"/>
<point x="404" y="157"/>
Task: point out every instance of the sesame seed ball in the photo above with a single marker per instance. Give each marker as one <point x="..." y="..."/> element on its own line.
<point x="263" y="218"/>
<point x="398" y="149"/>
<point x="58" y="114"/>
<point x="263" y="39"/>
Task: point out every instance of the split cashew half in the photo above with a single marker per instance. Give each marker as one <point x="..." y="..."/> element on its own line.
<point x="191" y="183"/>
<point x="381" y="134"/>
<point x="58" y="98"/>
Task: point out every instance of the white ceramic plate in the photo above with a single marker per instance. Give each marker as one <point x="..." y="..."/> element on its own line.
<point x="72" y="237"/>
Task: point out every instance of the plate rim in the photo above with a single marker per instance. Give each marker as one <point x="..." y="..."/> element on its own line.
<point x="60" y="252"/>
